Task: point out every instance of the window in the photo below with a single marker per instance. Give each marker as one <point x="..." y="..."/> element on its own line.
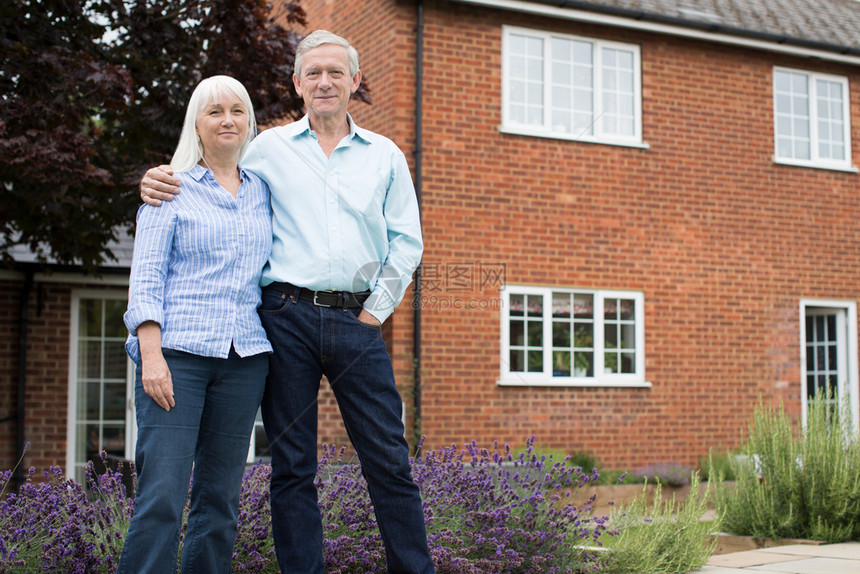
<point x="811" y="119"/>
<point x="101" y="380"/>
<point x="572" y="337"/>
<point x="101" y="391"/>
<point x="571" y="88"/>
<point x="829" y="356"/>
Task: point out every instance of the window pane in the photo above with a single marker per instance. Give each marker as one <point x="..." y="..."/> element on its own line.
<point x="114" y="326"/>
<point x="534" y="305"/>
<point x="561" y="304"/>
<point x="518" y="333"/>
<point x="116" y="360"/>
<point x="89" y="405"/>
<point x="535" y="334"/>
<point x="583" y="306"/>
<point x="583" y="335"/>
<point x="517" y="361"/>
<point x="628" y="363"/>
<point x="560" y="334"/>
<point x="627" y="309"/>
<point x="114" y="401"/>
<point x="535" y="361"/>
<point x="517" y="305"/>
<point x="89" y="360"/>
<point x="583" y="364"/>
<point x="561" y="363"/>
<point x="610" y="362"/>
<point x="628" y="336"/>
<point x="90" y="318"/>
<point x="114" y="440"/>
<point x="610" y="336"/>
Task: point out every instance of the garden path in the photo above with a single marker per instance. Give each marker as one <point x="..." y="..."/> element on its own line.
<point x="841" y="558"/>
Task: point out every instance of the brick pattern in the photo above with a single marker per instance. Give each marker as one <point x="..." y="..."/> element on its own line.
<point x="722" y="241"/>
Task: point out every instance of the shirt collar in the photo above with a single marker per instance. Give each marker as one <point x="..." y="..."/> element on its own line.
<point x="198" y="172"/>
<point x="303" y="127"/>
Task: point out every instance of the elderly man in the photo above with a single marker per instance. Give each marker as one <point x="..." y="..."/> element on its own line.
<point x="347" y="238"/>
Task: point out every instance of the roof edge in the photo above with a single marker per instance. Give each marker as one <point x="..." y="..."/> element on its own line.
<point x="653" y="22"/>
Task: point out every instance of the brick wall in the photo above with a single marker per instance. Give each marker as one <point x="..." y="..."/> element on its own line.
<point x="722" y="242"/>
<point x="47" y="373"/>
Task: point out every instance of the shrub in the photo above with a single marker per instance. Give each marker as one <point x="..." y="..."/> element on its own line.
<point x="717" y="467"/>
<point x="57" y="526"/>
<point x="666" y="473"/>
<point x="802" y="483"/>
<point x="486" y="512"/>
<point x="661" y="536"/>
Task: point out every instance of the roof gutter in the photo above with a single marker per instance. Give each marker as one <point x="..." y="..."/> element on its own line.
<point x="580" y="11"/>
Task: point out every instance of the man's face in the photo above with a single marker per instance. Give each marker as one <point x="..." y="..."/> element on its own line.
<point x="325" y="84"/>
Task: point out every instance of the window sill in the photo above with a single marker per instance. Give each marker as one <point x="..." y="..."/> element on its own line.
<point x="572" y="382"/>
<point x="845" y="168"/>
<point x="520" y="131"/>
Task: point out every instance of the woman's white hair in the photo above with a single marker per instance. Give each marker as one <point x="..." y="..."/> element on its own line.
<point x="189" y="150"/>
<point x="320" y="37"/>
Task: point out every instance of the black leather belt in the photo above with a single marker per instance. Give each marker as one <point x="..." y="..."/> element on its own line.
<point x="342" y="299"/>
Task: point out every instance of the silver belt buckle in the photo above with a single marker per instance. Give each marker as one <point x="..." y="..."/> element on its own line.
<point x="316" y="302"/>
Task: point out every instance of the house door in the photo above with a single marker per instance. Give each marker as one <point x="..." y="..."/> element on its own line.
<point x="101" y="379"/>
<point x="830" y="359"/>
<point x="826" y="360"/>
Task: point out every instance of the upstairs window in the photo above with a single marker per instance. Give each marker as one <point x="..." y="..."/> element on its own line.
<point x="571" y="88"/>
<point x="572" y="337"/>
<point x="811" y="119"/>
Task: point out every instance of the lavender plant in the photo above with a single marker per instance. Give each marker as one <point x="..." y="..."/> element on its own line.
<point x="60" y="526"/>
<point x="486" y="512"/>
<point x="666" y="473"/>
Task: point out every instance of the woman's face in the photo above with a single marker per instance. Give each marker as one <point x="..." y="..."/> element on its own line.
<point x="223" y="125"/>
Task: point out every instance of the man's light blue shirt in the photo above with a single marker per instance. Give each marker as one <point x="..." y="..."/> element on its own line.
<point x="196" y="267"/>
<point x="348" y="222"/>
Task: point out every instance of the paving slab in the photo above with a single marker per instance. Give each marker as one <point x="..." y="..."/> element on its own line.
<point x="847" y="550"/>
<point x="750" y="558"/>
<point x="811" y="566"/>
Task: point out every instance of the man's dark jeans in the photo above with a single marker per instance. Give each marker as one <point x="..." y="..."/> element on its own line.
<point x="311" y="341"/>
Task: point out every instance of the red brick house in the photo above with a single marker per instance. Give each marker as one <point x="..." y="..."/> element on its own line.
<point x="639" y="218"/>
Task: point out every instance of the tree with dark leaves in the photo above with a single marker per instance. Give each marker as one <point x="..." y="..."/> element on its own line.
<point x="93" y="92"/>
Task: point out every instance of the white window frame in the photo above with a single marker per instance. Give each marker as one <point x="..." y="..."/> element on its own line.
<point x="71" y="430"/>
<point x="815" y="160"/>
<point x="600" y="135"/>
<point x="546" y="378"/>
<point x="851" y="385"/>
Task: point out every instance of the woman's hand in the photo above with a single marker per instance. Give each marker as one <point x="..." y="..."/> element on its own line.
<point x="157" y="382"/>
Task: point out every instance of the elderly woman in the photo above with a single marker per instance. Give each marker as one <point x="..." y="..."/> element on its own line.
<point x="201" y="353"/>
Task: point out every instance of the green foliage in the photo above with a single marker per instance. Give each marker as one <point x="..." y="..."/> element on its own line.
<point x="797" y="483"/>
<point x="93" y="93"/>
<point x="661" y="536"/>
<point x="716" y="466"/>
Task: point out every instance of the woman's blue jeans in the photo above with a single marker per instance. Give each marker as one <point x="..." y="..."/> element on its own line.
<point x="209" y="429"/>
<point x="311" y="341"/>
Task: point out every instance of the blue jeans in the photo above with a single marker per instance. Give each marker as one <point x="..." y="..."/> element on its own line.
<point x="209" y="429"/>
<point x="309" y="342"/>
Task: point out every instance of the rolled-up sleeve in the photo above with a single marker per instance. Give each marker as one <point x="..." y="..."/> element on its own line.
<point x="153" y="242"/>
